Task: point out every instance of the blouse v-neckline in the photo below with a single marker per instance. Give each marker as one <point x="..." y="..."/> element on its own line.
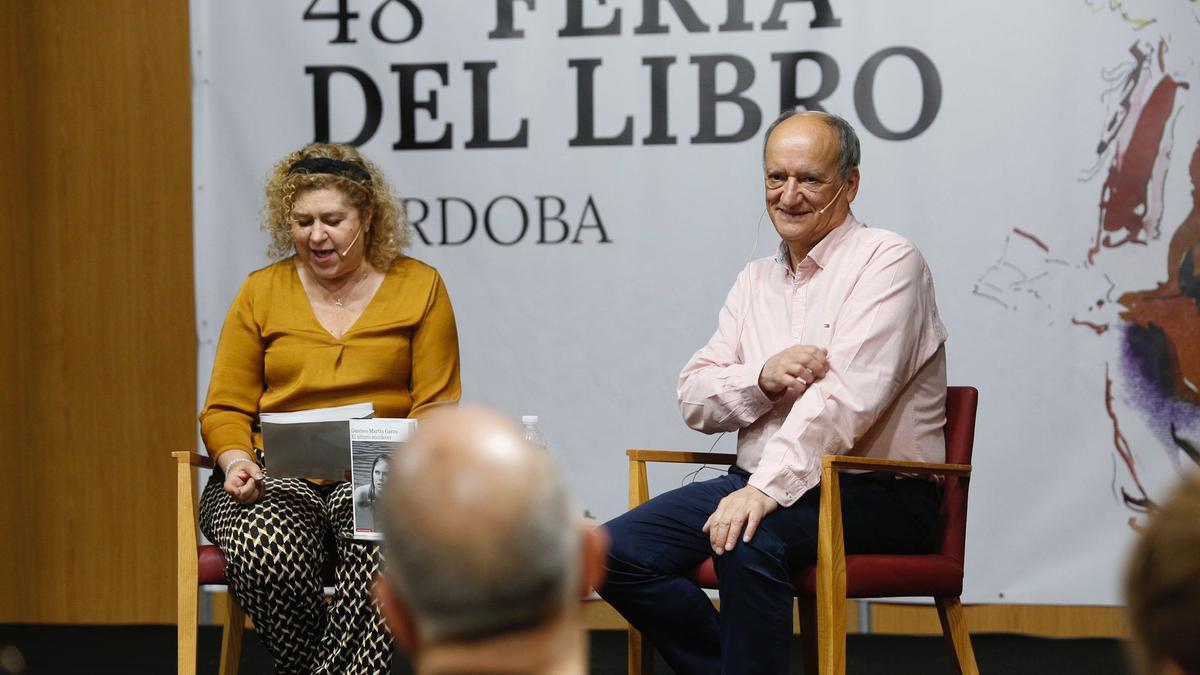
<point x="312" y="311"/>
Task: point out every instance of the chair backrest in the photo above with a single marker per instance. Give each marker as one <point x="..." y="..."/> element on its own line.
<point x="961" y="404"/>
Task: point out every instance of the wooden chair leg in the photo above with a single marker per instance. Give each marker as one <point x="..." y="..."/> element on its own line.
<point x="187" y="594"/>
<point x="231" y="641"/>
<point x="641" y="654"/>
<point x="187" y="609"/>
<point x="831" y="633"/>
<point x="954" y="628"/>
<point x="831" y="576"/>
<point x="808" y="633"/>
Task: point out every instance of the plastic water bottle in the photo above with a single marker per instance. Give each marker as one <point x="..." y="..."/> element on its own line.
<point x="533" y="432"/>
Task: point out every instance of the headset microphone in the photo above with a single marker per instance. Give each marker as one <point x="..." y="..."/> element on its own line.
<point x="342" y="254"/>
<point x="831" y="201"/>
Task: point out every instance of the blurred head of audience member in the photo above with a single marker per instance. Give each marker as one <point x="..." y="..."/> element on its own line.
<point x="1162" y="586"/>
<point x="486" y="556"/>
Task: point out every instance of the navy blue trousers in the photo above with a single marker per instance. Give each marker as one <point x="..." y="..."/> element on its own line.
<point x="656" y="543"/>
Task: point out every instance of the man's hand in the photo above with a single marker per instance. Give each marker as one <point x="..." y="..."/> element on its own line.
<point x="746" y="507"/>
<point x="244" y="481"/>
<point x="793" y="368"/>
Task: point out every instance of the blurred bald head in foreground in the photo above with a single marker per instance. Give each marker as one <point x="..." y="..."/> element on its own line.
<point x="1162" y="586"/>
<point x="486" y="555"/>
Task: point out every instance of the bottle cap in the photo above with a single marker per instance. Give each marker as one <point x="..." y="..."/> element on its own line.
<point x="529" y="419"/>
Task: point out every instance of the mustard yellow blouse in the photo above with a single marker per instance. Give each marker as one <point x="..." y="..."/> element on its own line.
<point x="273" y="356"/>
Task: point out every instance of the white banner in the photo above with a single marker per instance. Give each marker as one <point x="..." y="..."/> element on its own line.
<point x="586" y="176"/>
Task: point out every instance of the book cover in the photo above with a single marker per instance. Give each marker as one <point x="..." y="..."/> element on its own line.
<point x="372" y="442"/>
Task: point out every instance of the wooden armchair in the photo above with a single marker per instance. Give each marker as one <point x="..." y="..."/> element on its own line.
<point x="199" y="566"/>
<point x="822" y="589"/>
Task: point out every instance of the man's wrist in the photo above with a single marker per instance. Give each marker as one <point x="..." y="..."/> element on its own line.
<point x="762" y="494"/>
<point x="763" y="387"/>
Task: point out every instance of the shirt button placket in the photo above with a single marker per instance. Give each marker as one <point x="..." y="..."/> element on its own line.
<point x="799" y="306"/>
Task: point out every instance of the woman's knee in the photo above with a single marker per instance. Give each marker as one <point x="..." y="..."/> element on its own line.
<point x="256" y="541"/>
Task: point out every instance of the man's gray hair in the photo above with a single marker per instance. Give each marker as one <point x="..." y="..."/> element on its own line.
<point x="516" y="575"/>
<point x="849" y="154"/>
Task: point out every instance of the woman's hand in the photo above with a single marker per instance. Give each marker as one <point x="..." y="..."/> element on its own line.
<point x="244" y="480"/>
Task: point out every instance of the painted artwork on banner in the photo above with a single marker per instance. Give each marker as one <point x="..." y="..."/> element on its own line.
<point x="1147" y="376"/>
<point x="586" y="177"/>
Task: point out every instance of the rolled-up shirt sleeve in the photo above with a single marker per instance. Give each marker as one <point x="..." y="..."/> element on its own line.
<point x="885" y="331"/>
<point x="717" y="390"/>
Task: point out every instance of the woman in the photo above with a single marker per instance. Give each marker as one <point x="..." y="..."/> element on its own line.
<point x="367" y="494"/>
<point x="343" y="317"/>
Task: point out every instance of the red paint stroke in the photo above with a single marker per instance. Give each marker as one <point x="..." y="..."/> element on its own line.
<point x="1125" y="194"/>
<point x="1098" y="328"/>
<point x="1030" y="237"/>
<point x="1122" y="447"/>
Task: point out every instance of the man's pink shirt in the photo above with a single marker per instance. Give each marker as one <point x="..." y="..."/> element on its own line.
<point x="865" y="295"/>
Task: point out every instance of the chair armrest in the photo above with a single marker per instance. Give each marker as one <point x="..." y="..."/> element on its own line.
<point x="680" y="457"/>
<point x="193" y="459"/>
<point x="639" y="486"/>
<point x="842" y="462"/>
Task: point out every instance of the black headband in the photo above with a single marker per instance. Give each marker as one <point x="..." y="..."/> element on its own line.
<point x="333" y="166"/>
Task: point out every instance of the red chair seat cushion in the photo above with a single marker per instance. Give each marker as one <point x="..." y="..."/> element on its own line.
<point x="705" y="575"/>
<point x="893" y="576"/>
<point x="873" y="576"/>
<point x="211" y="565"/>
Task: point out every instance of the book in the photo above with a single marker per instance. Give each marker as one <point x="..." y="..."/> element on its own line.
<point x="372" y="442"/>
<point x="334" y="414"/>
<point x="311" y="443"/>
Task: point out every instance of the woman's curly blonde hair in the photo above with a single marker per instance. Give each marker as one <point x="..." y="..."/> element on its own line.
<point x="388" y="233"/>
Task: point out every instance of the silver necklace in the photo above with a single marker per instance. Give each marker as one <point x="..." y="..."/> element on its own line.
<point x="338" y="299"/>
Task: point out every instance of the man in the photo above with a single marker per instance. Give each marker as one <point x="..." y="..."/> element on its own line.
<point x="833" y="346"/>
<point x="486" y="558"/>
<point x="1162" y="585"/>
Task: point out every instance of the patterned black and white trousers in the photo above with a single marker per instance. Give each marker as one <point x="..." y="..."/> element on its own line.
<point x="275" y="550"/>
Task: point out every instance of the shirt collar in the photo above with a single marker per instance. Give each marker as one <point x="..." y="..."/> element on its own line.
<point x="824" y="249"/>
<point x="781" y="254"/>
